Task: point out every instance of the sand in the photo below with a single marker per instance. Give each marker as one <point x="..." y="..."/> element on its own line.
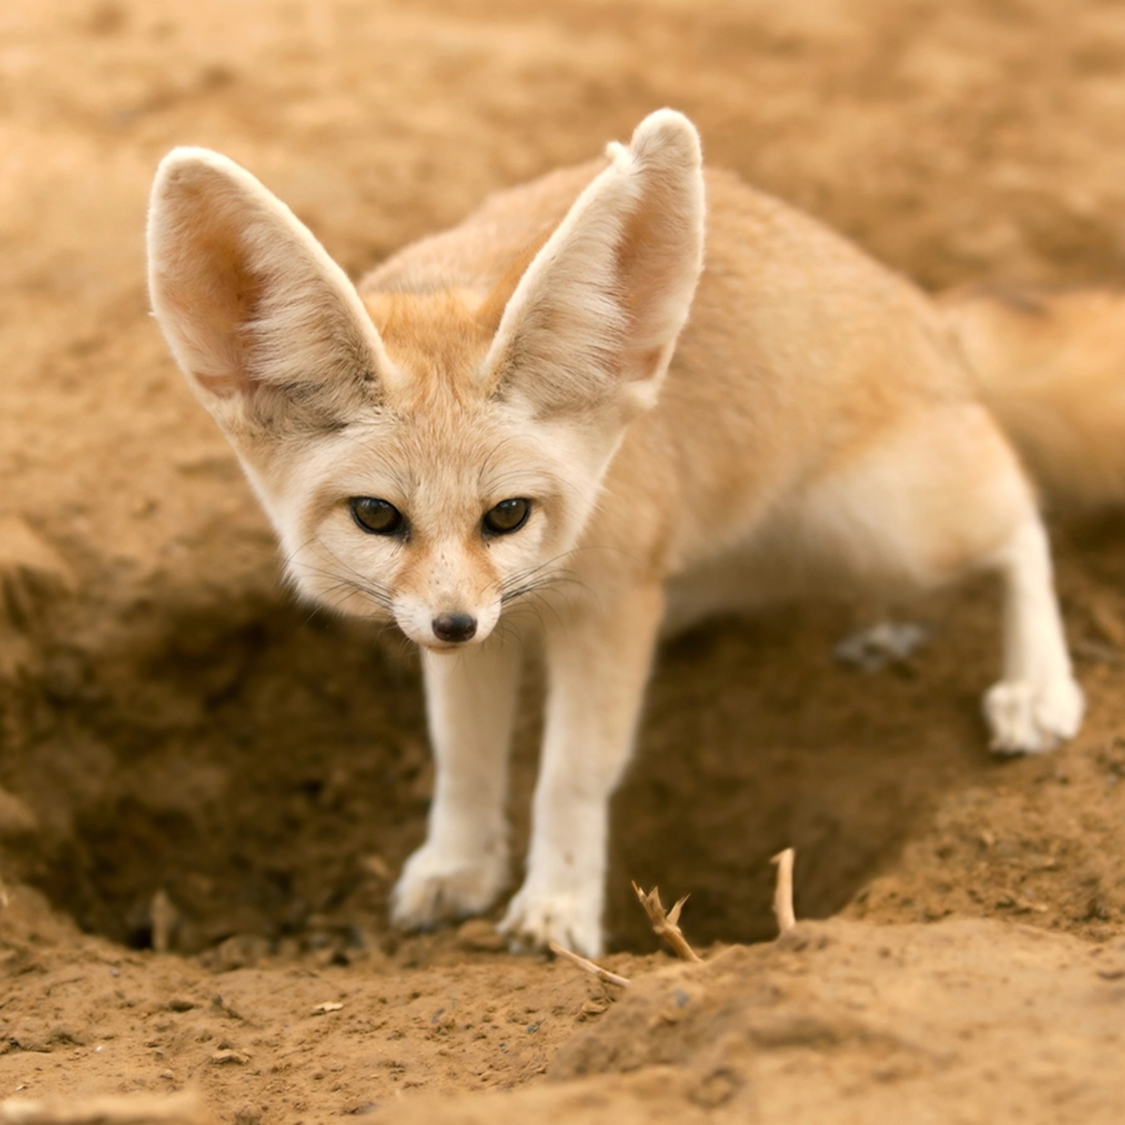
<point x="206" y="791"/>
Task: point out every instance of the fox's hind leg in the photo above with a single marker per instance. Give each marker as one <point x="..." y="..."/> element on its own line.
<point x="1037" y="703"/>
<point x="938" y="496"/>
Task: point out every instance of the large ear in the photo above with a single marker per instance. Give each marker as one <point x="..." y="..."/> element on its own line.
<point x="268" y="329"/>
<point x="595" y="317"/>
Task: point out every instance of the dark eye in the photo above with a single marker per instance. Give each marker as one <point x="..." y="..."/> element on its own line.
<point x="506" y="517"/>
<point x="376" y="516"/>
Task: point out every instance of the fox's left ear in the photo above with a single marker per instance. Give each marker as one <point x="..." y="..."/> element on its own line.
<point x="267" y="328"/>
<point x="595" y="317"/>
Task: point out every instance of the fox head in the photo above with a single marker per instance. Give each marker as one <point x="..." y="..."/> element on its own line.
<point x="428" y="458"/>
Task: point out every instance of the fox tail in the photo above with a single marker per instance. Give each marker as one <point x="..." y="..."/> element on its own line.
<point x="1051" y="367"/>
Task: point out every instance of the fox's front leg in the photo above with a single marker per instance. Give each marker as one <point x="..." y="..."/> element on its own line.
<point x="598" y="662"/>
<point x="463" y="865"/>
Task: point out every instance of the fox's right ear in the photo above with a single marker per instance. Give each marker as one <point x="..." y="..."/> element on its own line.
<point x="268" y="329"/>
<point x="595" y="317"/>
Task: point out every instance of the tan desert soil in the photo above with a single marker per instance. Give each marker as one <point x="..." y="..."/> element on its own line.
<point x="188" y="758"/>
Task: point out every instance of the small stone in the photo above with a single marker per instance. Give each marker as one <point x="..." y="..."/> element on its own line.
<point x="479" y="936"/>
<point x="229" y="1056"/>
<point x="717" y="1088"/>
<point x="239" y="951"/>
<point x="1096" y="910"/>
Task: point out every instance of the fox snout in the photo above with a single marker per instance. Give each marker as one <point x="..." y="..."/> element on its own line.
<point x="443" y="629"/>
<point x="439" y="622"/>
<point x="455" y="627"/>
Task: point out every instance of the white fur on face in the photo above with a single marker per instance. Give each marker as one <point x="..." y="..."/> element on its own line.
<point x="443" y="481"/>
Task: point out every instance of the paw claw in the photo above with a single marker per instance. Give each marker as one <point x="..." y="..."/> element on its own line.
<point x="533" y="920"/>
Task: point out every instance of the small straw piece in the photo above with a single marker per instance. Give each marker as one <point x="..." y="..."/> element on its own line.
<point x="587" y="966"/>
<point x="667" y="925"/>
<point x="783" y="893"/>
<point x="164" y="918"/>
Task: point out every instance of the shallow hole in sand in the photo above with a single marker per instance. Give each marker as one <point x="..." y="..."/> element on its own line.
<point x="269" y="778"/>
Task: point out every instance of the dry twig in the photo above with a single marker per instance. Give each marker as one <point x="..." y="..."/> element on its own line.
<point x="783" y="893"/>
<point x="164" y="918"/>
<point x="667" y="925"/>
<point x="588" y="966"/>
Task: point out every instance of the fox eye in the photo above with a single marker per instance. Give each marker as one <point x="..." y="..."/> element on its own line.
<point x="376" y="516"/>
<point x="507" y="516"/>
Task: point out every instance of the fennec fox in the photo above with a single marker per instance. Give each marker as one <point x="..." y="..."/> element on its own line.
<point x="517" y="426"/>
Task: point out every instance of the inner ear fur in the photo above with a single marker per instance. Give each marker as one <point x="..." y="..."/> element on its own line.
<point x="267" y="328"/>
<point x="595" y="317"/>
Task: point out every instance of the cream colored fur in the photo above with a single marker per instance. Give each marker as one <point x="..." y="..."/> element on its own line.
<point x="1051" y="366"/>
<point x="813" y="429"/>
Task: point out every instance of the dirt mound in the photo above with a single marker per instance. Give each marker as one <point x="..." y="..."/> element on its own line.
<point x="191" y="762"/>
<point x="837" y="1021"/>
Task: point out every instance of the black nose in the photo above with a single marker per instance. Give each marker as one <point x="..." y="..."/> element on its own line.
<point x="454" y="626"/>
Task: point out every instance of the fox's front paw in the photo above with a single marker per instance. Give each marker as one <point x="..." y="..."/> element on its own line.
<point x="535" y="918"/>
<point x="436" y="886"/>
<point x="1029" y="718"/>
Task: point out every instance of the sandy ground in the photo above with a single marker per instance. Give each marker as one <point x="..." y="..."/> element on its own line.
<point x="188" y="759"/>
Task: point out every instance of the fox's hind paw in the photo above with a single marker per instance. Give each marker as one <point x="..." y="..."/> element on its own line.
<point x="1029" y="718"/>
<point x="436" y="887"/>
